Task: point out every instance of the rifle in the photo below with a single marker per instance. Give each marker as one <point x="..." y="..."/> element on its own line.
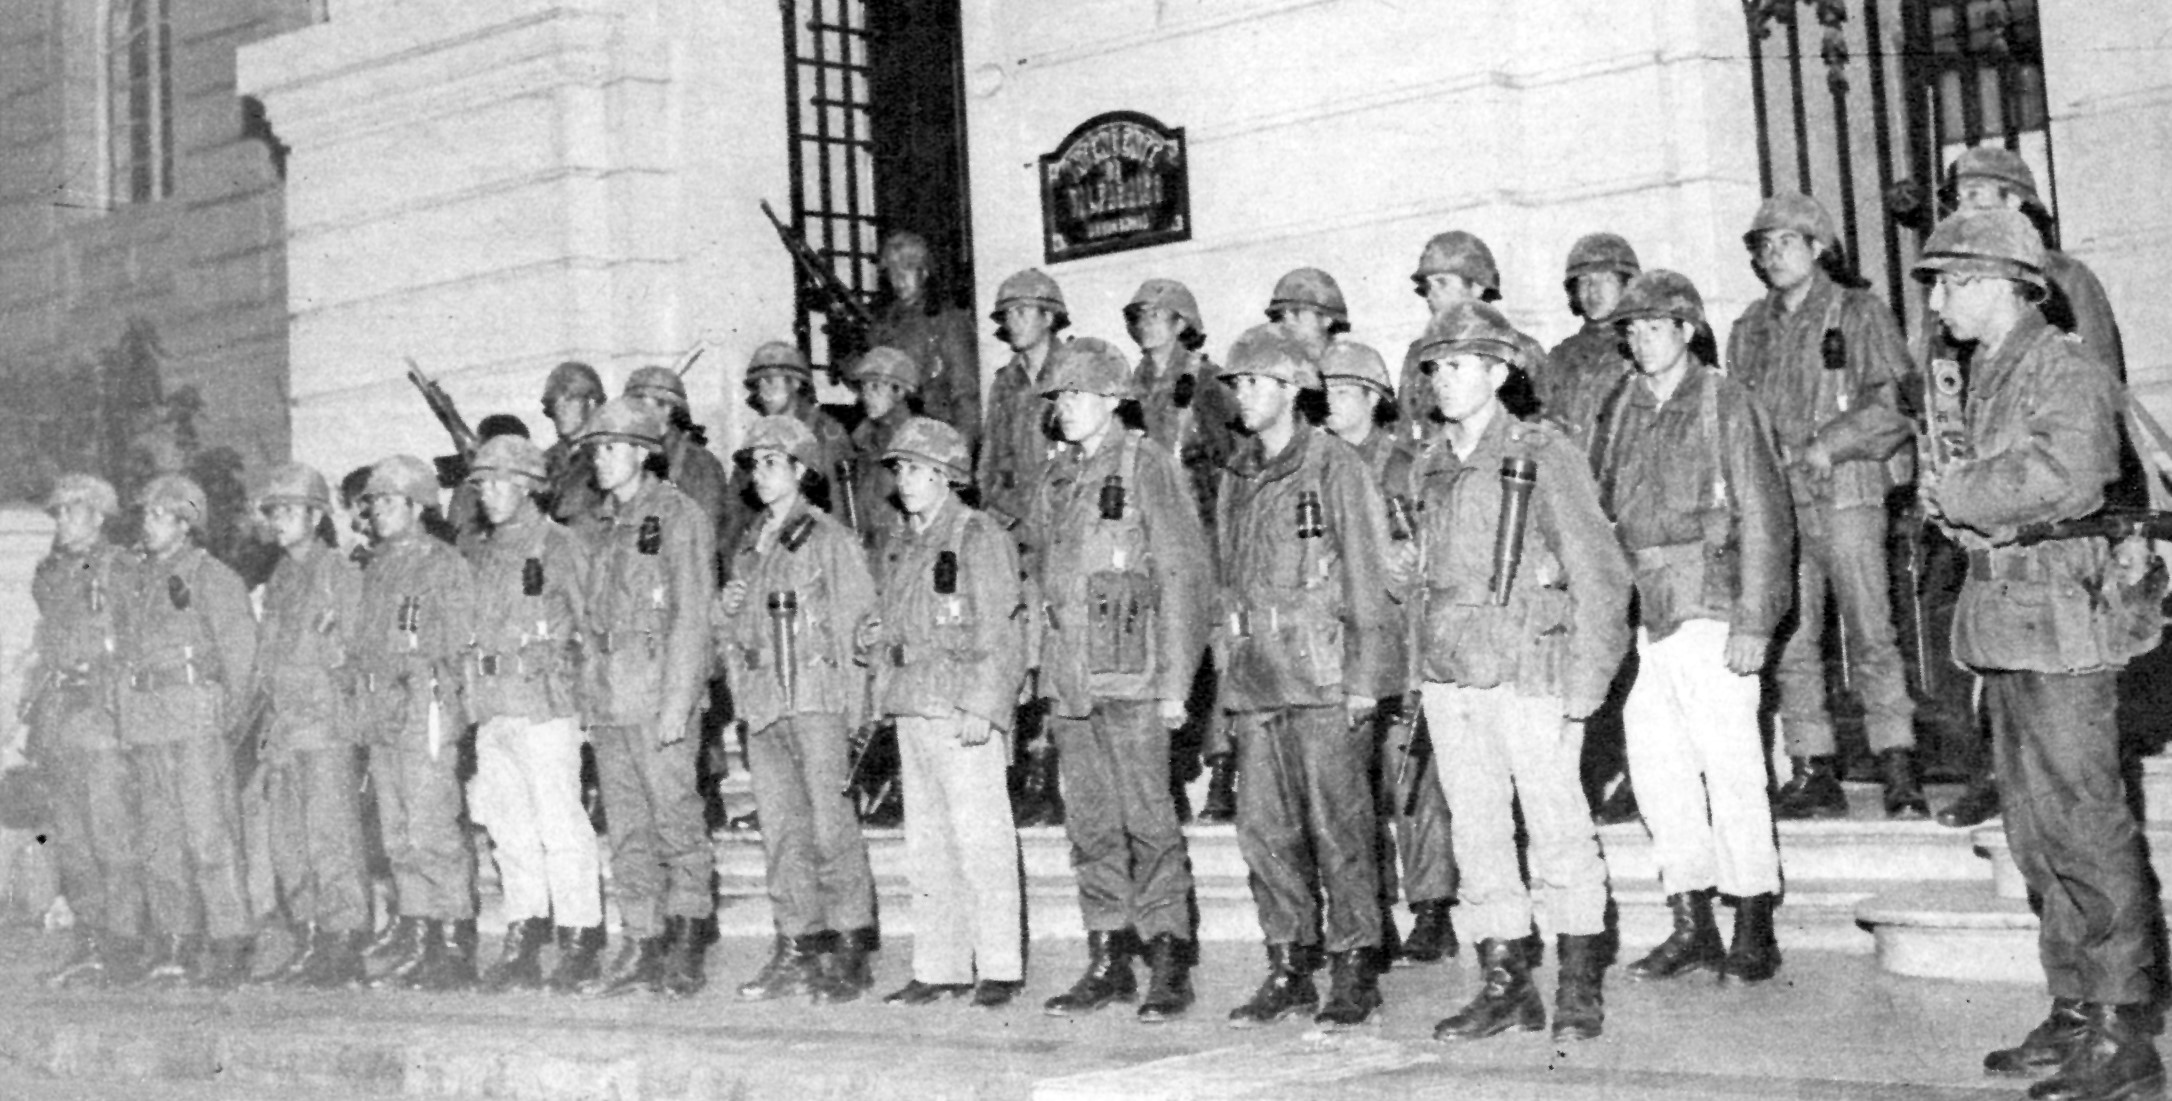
<point x="2113" y="524"/>
<point x="849" y="319"/>
<point x="246" y="738"/>
<point x="687" y="361"/>
<point x="441" y="406"/>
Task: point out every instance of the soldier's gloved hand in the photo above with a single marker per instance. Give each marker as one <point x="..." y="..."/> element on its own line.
<point x="1359" y="705"/>
<point x="1816" y="461"/>
<point x="1172" y="713"/>
<point x="973" y="730"/>
<point x="732" y="595"/>
<point x="1745" y="655"/>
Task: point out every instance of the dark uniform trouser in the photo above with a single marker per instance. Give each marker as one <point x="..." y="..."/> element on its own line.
<point x="1419" y="839"/>
<point x="660" y="860"/>
<point x="1305" y="816"/>
<point x="191" y="837"/>
<point x="1845" y="546"/>
<point x="94" y="839"/>
<point x="316" y="836"/>
<point x="2072" y="832"/>
<point x="1126" y="845"/>
<point x="418" y="814"/>
<point x="818" y="873"/>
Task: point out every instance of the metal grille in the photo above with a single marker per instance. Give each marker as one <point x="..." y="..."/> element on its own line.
<point x="141" y="80"/>
<point x="832" y="165"/>
<point x="1976" y="68"/>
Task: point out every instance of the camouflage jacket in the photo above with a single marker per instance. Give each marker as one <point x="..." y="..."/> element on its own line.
<point x="943" y="344"/>
<point x="1580" y="372"/>
<point x="530" y="584"/>
<point x="1018" y="443"/>
<point x="301" y="660"/>
<point x="741" y="511"/>
<point x="698" y="474"/>
<point x="874" y="484"/>
<point x="407" y="660"/>
<point x="188" y="643"/>
<point x="1201" y="429"/>
<point x="1301" y="619"/>
<point x="942" y="653"/>
<point x="570" y="495"/>
<point x="77" y="643"/>
<point x="816" y="561"/>
<point x="650" y="583"/>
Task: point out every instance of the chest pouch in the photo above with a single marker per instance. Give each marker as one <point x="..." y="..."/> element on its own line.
<point x="1121" y="608"/>
<point x="177" y="591"/>
<point x="650" y="540"/>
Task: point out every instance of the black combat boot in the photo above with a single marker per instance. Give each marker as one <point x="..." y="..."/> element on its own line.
<point x="917" y="993"/>
<point x="1433" y="935"/>
<point x="1812" y="792"/>
<point x="1579" y="999"/>
<point x="224" y="963"/>
<point x="995" y="993"/>
<point x="173" y="958"/>
<point x="790" y="970"/>
<point x="2115" y="1059"/>
<point x="1755" y="954"/>
<point x="1040" y="794"/>
<point x="2046" y="1046"/>
<point x="1288" y="990"/>
<point x="577" y="963"/>
<point x="686" y="962"/>
<point x="340" y="964"/>
<point x="1903" y="791"/>
<point x="85" y="965"/>
<point x="1169" y="980"/>
<point x="1390" y="948"/>
<point x="449" y="963"/>
<point x="309" y="942"/>
<point x="1507" y="1001"/>
<point x="1975" y="806"/>
<point x="416" y="949"/>
<point x="639" y="965"/>
<point x="520" y="958"/>
<point x="391" y="942"/>
<point x="1619" y="807"/>
<point x="842" y="974"/>
<point x="1221" y="801"/>
<point x="1108" y="976"/>
<point x="1353" y="991"/>
<point x="1694" y="944"/>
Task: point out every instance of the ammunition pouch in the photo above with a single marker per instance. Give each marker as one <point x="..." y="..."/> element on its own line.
<point x="1122" y="609"/>
<point x="1684" y="581"/>
<point x="1290" y="632"/>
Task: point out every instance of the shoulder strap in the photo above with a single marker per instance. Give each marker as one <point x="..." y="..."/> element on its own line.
<point x="2145" y="431"/>
<point x="1708" y="415"/>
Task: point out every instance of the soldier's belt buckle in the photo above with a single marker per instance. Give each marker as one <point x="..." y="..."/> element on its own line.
<point x="1240" y="623"/>
<point x="897" y="655"/>
<point x="490" y="665"/>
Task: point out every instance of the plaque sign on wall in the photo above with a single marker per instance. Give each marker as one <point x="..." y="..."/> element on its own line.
<point x="1116" y="182"/>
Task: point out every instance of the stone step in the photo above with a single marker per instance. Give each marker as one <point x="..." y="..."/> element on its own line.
<point x="1964" y="931"/>
<point x="2006" y="875"/>
<point x="2157" y="788"/>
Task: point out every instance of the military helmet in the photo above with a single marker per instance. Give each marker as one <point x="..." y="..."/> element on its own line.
<point x="88" y="490"/>
<point x="1997" y="164"/>
<point x="659" y="383"/>
<point x="622" y="421"/>
<point x="1168" y="294"/>
<point x="1998" y="242"/>
<point x="1598" y="252"/>
<point x="1268" y="351"/>
<point x="930" y="441"/>
<point x="902" y="243"/>
<point x="1031" y="287"/>
<point x="1470" y="326"/>
<point x="1310" y="288"/>
<point x="1089" y="365"/>
<point x="883" y="361"/>
<point x="178" y="494"/>
<point x="572" y="379"/>
<point x="779" y="433"/>
<point x="403" y="476"/>
<point x="779" y="357"/>
<point x="1350" y="361"/>
<point x="1792" y="210"/>
<point x="516" y="458"/>
<point x="297" y="484"/>
<point x="1660" y="293"/>
<point x="1457" y="253"/>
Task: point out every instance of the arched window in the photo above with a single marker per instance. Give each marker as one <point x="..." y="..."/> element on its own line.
<point x="139" y="80"/>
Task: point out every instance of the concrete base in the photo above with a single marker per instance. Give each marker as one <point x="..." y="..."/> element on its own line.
<point x="1954" y="931"/>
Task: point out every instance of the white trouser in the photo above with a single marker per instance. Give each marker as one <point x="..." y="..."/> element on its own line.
<point x="527" y="793"/>
<point x="963" y="852"/>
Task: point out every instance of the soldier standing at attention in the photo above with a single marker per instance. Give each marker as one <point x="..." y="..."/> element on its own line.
<point x="1186" y="409"/>
<point x="78" y="588"/>
<point x="650" y="582"/>
<point x="1454" y="267"/>
<point x="948" y="656"/>
<point x="313" y="599"/>
<point x="190" y="643"/>
<point x="780" y="383"/>
<point x="799" y="591"/>
<point x="1124" y="574"/>
<point x="1525" y="617"/>
<point x="409" y="645"/>
<point x="1825" y="363"/>
<point x="913" y="314"/>
<point x="526" y="790"/>
<point x="1689" y="477"/>
<point x="1361" y="412"/>
<point x="888" y="383"/>
<point x="1308" y="307"/>
<point x="570" y="397"/>
<point x="2048" y="626"/>
<point x="1301" y="642"/>
<point x="1583" y="369"/>
<point x="688" y="464"/>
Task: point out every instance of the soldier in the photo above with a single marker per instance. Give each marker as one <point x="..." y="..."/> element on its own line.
<point x="688" y="465"/>
<point x="1687" y="473"/>
<point x="780" y="383"/>
<point x="189" y="643"/>
<point x="1525" y="617"/>
<point x="914" y="315"/>
<point x="647" y="599"/>
<point x="313" y="599"/>
<point x="408" y="645"/>
<point x="1124" y="570"/>
<point x="1307" y="305"/>
<point x="1304" y="602"/>
<point x="1185" y="408"/>
<point x="570" y="397"/>
<point x="464" y="509"/>
<point x="1825" y="363"/>
<point x="526" y="790"/>
<point x="1361" y="412"/>
<point x="1456" y="266"/>
<point x="78" y="587"/>
<point x="948" y="656"/>
<point x="798" y="594"/>
<point x="887" y="382"/>
<point x="2048" y="627"/>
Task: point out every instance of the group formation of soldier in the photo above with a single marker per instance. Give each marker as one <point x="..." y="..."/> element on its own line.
<point x="1327" y="561"/>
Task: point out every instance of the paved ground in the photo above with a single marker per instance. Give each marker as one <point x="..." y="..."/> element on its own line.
<point x="1831" y="1027"/>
